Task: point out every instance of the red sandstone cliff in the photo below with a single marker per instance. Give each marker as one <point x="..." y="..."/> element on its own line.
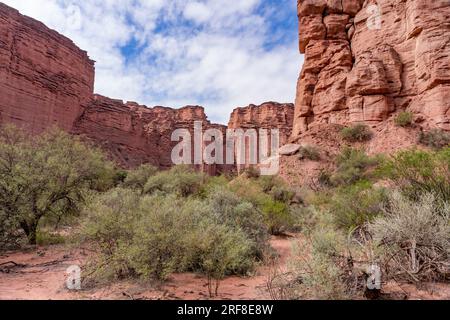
<point x="44" y="78"/>
<point x="357" y="72"/>
<point x="134" y="134"/>
<point x="269" y="115"/>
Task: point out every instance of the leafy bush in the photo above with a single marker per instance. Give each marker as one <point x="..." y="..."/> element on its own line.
<point x="137" y="178"/>
<point x="231" y="210"/>
<point x="352" y="207"/>
<point x="277" y="216"/>
<point x="309" y="152"/>
<point x="252" y="172"/>
<point x="414" y="237"/>
<point x="435" y="138"/>
<point x="357" y="133"/>
<point x="47" y="175"/>
<point x="322" y="269"/>
<point x="222" y="250"/>
<point x="352" y="166"/>
<point x="404" y="119"/>
<point x="416" y="172"/>
<point x="180" y="180"/>
<point x="282" y="194"/>
<point x="154" y="236"/>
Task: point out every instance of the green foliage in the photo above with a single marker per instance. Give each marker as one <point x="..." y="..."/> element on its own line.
<point x="321" y="269"/>
<point x="435" y="138"/>
<point x="404" y="119"/>
<point x="416" y="172"/>
<point x="48" y="175"/>
<point x="180" y="180"/>
<point x="282" y="194"/>
<point x="231" y="210"/>
<point x="357" y="133"/>
<point x="137" y="178"/>
<point x="352" y="207"/>
<point x="309" y="152"/>
<point x="277" y="216"/>
<point x="155" y="235"/>
<point x="414" y="236"/>
<point x="44" y="238"/>
<point x="252" y="172"/>
<point x="274" y="203"/>
<point x="352" y="166"/>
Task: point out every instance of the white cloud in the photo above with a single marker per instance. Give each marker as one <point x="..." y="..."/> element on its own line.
<point x="209" y="52"/>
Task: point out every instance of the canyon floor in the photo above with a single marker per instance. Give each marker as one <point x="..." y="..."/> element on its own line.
<point x="40" y="273"/>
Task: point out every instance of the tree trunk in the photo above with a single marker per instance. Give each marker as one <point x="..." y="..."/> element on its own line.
<point x="30" y="230"/>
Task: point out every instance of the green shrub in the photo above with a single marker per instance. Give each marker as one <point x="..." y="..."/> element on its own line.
<point x="323" y="269"/>
<point x="404" y="119"/>
<point x="352" y="166"/>
<point x="277" y="216"/>
<point x="414" y="236"/>
<point x="137" y="178"/>
<point x="252" y="172"/>
<point x="416" y="172"/>
<point x="180" y="180"/>
<point x="44" y="238"/>
<point x="229" y="209"/>
<point x="282" y="194"/>
<point x="222" y="250"/>
<point x="352" y="207"/>
<point x="435" y="138"/>
<point x="309" y="152"/>
<point x="357" y="133"/>
<point x="267" y="183"/>
<point x="47" y="175"/>
<point x="154" y="236"/>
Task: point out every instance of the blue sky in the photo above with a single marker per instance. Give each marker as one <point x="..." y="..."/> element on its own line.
<point x="220" y="54"/>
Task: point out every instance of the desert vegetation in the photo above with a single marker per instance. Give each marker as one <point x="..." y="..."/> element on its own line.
<point x="390" y="212"/>
<point x="357" y="133"/>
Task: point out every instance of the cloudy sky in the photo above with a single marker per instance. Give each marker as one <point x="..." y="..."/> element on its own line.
<point x="217" y="53"/>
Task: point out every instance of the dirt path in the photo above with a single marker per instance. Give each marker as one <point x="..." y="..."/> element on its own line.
<point x="44" y="276"/>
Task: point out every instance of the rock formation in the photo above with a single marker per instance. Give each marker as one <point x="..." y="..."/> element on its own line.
<point x="135" y="134"/>
<point x="367" y="59"/>
<point x="44" y="78"/>
<point x="269" y="115"/>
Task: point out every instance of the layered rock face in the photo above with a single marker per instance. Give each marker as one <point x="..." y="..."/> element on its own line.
<point x="134" y="134"/>
<point x="366" y="59"/>
<point x="44" y="78"/>
<point x="269" y="115"/>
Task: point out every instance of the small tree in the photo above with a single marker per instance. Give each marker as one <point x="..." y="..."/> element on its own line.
<point x="137" y="178"/>
<point x="47" y="175"/>
<point x="357" y="133"/>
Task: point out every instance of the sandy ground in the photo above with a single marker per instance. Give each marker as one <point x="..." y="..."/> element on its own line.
<point x="41" y="275"/>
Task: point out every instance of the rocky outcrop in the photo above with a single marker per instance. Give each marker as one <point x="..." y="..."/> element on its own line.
<point x="366" y="59"/>
<point x="44" y="78"/>
<point x="269" y="115"/>
<point x="134" y="134"/>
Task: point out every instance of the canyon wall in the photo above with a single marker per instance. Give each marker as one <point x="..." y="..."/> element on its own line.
<point x="365" y="60"/>
<point x="134" y="134"/>
<point x="269" y="115"/>
<point x="44" y="78"/>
